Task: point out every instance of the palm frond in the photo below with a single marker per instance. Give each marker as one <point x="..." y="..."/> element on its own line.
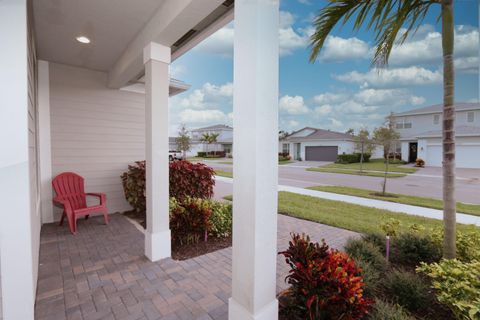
<point x="387" y="18"/>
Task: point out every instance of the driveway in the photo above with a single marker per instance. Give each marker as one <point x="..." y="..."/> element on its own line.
<point x="427" y="182"/>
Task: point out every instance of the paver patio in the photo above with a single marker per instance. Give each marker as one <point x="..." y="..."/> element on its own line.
<point x="102" y="273"/>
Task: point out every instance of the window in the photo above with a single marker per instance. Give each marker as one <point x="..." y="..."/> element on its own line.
<point x="286" y="148"/>
<point x="470" y="116"/>
<point x="407" y="125"/>
<point x="400" y="125"/>
<point x="436" y="119"/>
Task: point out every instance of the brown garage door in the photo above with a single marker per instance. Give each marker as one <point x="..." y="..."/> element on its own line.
<point x="322" y="153"/>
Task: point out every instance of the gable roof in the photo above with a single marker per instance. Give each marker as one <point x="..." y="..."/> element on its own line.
<point x="319" y="134"/>
<point x="438" y="108"/>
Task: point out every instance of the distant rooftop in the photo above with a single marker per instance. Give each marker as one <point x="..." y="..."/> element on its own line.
<point x="320" y="134"/>
<point x="214" y="127"/>
<point x="437" y="108"/>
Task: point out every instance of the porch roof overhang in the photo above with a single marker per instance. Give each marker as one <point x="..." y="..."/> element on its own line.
<point x="119" y="33"/>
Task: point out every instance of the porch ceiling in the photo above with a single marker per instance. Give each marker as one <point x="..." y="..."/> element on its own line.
<point x="120" y="29"/>
<point x="110" y="27"/>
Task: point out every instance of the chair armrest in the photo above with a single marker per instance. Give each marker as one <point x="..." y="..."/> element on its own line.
<point x="101" y="196"/>
<point x="64" y="202"/>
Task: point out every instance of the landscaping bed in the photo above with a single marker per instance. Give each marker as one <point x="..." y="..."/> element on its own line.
<point x="198" y="224"/>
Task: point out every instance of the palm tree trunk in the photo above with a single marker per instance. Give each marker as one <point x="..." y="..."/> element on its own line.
<point x="449" y="202"/>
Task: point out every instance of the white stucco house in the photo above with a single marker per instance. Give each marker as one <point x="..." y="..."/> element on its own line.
<point x="421" y="134"/>
<point x="224" y="140"/>
<point x="64" y="68"/>
<point x="313" y="144"/>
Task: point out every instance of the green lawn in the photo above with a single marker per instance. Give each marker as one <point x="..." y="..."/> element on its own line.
<point x="372" y="165"/>
<point x="400" y="198"/>
<point x="224" y="173"/>
<point x="355" y="172"/>
<point x="226" y="162"/>
<point x="346" y="215"/>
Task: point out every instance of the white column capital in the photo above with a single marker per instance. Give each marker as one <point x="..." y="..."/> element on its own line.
<point x="157" y="52"/>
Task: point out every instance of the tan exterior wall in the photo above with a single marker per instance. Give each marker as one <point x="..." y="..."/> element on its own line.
<point x="95" y="131"/>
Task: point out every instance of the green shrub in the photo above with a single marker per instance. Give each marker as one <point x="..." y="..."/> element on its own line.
<point x="377" y="239"/>
<point x="468" y="243"/>
<point x="201" y="154"/>
<point x="221" y="219"/>
<point x="352" y="158"/>
<point x="189" y="220"/>
<point x="371" y="278"/>
<point x="407" y="289"/>
<point x="186" y="180"/>
<point x="133" y="182"/>
<point x="457" y="285"/>
<point x="360" y="249"/>
<point x="386" y="311"/>
<point x="409" y="249"/>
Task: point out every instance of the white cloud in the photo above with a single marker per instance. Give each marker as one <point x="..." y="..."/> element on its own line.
<point x="191" y="116"/>
<point x="337" y="49"/>
<point x="177" y="70"/>
<point x="293" y="105"/>
<point x="425" y="47"/>
<point x="209" y="95"/>
<point x="329" y="97"/>
<point x="387" y="97"/>
<point x="363" y="108"/>
<point x="221" y="42"/>
<point x="323" y="110"/>
<point x="392" y="77"/>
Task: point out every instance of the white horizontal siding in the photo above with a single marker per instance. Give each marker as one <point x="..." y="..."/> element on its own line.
<point x="96" y="132"/>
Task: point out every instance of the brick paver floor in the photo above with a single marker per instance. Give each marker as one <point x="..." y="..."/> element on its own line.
<point x="101" y="273"/>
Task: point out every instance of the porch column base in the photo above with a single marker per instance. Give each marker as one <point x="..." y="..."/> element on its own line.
<point x="157" y="245"/>
<point x="238" y="312"/>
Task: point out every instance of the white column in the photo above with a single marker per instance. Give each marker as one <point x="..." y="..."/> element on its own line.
<point x="18" y="269"/>
<point x="156" y="58"/>
<point x="255" y="119"/>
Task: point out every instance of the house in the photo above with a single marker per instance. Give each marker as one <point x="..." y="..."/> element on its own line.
<point x="313" y="144"/>
<point x="421" y="134"/>
<point x="224" y="140"/>
<point x="63" y="67"/>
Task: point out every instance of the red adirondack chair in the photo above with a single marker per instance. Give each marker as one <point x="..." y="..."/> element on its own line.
<point x="69" y="188"/>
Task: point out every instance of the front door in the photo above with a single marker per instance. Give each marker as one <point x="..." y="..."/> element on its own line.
<point x="412" y="154"/>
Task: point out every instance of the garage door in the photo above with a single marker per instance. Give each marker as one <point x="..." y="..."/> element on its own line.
<point x="466" y="156"/>
<point x="322" y="153"/>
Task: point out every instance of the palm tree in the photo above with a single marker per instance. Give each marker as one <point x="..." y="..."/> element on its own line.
<point x="386" y="18"/>
<point x="205" y="139"/>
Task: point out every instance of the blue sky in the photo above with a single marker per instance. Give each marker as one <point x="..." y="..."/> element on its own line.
<point x="340" y="90"/>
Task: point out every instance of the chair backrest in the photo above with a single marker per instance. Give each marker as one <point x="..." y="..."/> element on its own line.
<point x="70" y="186"/>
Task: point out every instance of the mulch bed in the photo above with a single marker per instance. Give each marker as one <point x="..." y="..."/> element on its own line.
<point x="184" y="252"/>
<point x="198" y="249"/>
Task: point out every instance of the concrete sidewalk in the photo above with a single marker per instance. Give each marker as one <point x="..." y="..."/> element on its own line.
<point x="391" y="206"/>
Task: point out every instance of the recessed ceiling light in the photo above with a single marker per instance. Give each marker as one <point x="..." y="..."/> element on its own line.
<point x="83" y="39"/>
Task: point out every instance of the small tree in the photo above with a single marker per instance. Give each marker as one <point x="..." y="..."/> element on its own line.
<point x="282" y="134"/>
<point x="183" y="141"/>
<point x="386" y="136"/>
<point x="363" y="144"/>
<point x="350" y="131"/>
